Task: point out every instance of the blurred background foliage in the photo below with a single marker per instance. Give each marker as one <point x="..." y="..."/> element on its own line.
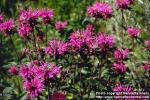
<point x="74" y="11"/>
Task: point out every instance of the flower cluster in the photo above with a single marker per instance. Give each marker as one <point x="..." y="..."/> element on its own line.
<point x="34" y="87"/>
<point x="119" y="67"/>
<point x="100" y="10"/>
<point x="122" y="88"/>
<point x="29" y="18"/>
<point x="105" y="42"/>
<point x="36" y="75"/>
<point x="134" y="32"/>
<point x="121" y="54"/>
<point x="80" y="39"/>
<point x="46" y="15"/>
<point x="7" y="27"/>
<point x="124" y="4"/>
<point x="56" y="48"/>
<point x="60" y="26"/>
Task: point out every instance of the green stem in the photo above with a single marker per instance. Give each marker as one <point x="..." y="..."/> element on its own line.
<point x="14" y="47"/>
<point x="80" y="82"/>
<point x="122" y="24"/>
<point x="46" y="42"/>
<point x="26" y="44"/>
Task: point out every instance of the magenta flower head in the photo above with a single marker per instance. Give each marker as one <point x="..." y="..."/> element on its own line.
<point x="105" y="42"/>
<point x="119" y="68"/>
<point x="90" y="28"/>
<point x="1" y="18"/>
<point x="34" y="88"/>
<point x="53" y="72"/>
<point x="26" y="73"/>
<point x="60" y="26"/>
<point x="7" y="27"/>
<point x="56" y="48"/>
<point x="29" y="16"/>
<point x="14" y="70"/>
<point x="147" y="43"/>
<point x="24" y="30"/>
<point x="36" y="74"/>
<point x="121" y="54"/>
<point x="147" y="66"/>
<point x="79" y="39"/>
<point x="134" y="32"/>
<point x="122" y="88"/>
<point x="59" y="96"/>
<point x="46" y="15"/>
<point x="124" y="4"/>
<point x="100" y="10"/>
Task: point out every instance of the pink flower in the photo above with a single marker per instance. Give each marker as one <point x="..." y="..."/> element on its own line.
<point x="134" y="32"/>
<point x="121" y="54"/>
<point x="119" y="68"/>
<point x="60" y="26"/>
<point x="39" y="70"/>
<point x="27" y="20"/>
<point x="56" y="48"/>
<point x="122" y="88"/>
<point x="100" y="10"/>
<point x="59" y="96"/>
<point x="29" y="17"/>
<point x="36" y="74"/>
<point x="26" y="73"/>
<point x="147" y="67"/>
<point x="90" y="28"/>
<point x="81" y="39"/>
<point x="7" y="27"/>
<point x="24" y="30"/>
<point x="46" y="15"/>
<point x="124" y="4"/>
<point x="147" y="43"/>
<point x="54" y="72"/>
<point x="14" y="70"/>
<point x="34" y="88"/>
<point x="105" y="42"/>
<point x="1" y="18"/>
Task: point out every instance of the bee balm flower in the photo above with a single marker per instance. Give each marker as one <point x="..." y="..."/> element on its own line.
<point x="121" y="54"/>
<point x="56" y="48"/>
<point x="123" y="88"/>
<point x="105" y="42"/>
<point x="7" y="27"/>
<point x="60" y="26"/>
<point x="34" y="88"/>
<point x="100" y="10"/>
<point x="124" y="4"/>
<point x="134" y="32"/>
<point x="119" y="68"/>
